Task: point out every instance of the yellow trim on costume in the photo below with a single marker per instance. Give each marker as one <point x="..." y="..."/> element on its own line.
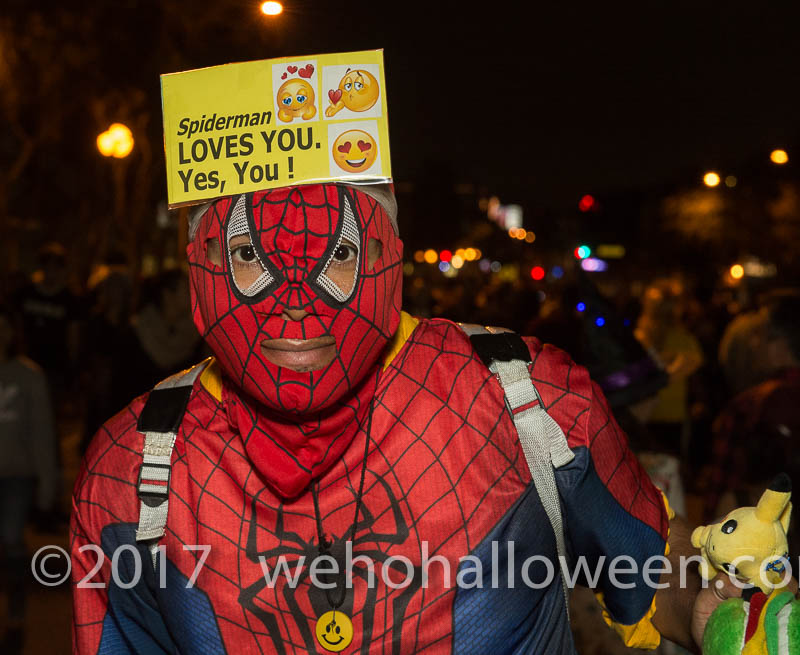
<point x="211" y="379"/>
<point x="642" y="634"/>
<point x="407" y="325"/>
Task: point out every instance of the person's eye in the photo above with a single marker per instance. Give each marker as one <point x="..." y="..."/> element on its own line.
<point x="244" y="254"/>
<point x="345" y="253"/>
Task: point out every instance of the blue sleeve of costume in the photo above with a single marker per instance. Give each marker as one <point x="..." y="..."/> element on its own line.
<point x="607" y="545"/>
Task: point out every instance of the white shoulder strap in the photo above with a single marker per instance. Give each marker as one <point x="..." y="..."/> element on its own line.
<point x="160" y="420"/>
<point x="542" y="439"/>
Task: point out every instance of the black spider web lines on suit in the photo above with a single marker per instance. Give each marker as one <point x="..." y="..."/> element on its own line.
<point x="461" y="427"/>
<point x="279" y="617"/>
<point x="274" y="606"/>
<point x="233" y="504"/>
<point x="609" y="426"/>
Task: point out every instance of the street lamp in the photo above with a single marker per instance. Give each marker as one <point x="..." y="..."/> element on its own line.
<point x="271" y="8"/>
<point x="116" y="141"/>
<point x="778" y="156"/>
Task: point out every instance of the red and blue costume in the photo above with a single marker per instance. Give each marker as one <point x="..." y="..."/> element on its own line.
<point x="265" y="455"/>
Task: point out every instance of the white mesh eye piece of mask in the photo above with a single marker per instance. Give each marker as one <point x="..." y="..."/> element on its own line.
<point x="237" y="225"/>
<point x="349" y="233"/>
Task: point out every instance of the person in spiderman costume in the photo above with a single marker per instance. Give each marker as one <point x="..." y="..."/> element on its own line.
<point x="329" y="421"/>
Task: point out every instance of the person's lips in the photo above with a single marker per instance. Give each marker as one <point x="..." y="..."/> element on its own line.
<point x="300" y="355"/>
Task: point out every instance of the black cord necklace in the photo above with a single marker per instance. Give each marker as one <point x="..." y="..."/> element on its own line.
<point x="335" y="629"/>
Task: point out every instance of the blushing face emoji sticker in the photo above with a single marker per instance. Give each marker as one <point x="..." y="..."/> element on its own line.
<point x="354" y="151"/>
<point x="296" y="100"/>
<point x="334" y="631"/>
<point x="358" y="91"/>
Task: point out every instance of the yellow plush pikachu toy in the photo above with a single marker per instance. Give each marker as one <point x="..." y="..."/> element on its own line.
<point x="749" y="539"/>
<point x="750" y="543"/>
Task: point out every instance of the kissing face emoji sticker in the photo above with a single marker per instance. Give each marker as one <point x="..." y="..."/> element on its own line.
<point x="354" y="151"/>
<point x="296" y="100"/>
<point x="358" y="91"/>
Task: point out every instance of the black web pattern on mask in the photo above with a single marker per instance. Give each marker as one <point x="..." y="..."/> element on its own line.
<point x="269" y="214"/>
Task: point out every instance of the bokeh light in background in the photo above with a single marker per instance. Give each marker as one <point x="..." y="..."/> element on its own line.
<point x="778" y="156"/>
<point x="587" y="203"/>
<point x="271" y="8"/>
<point x="731" y="181"/>
<point x="431" y="256"/>
<point x="737" y="271"/>
<point x="445" y="255"/>
<point x="537" y="273"/>
<point x="711" y="179"/>
<point x="594" y="265"/>
<point x="116" y="141"/>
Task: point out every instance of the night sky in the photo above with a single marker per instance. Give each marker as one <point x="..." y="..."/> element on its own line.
<point x="559" y="101"/>
<point x="535" y="102"/>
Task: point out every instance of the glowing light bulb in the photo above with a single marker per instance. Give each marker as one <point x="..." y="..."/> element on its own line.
<point x="271" y="8"/>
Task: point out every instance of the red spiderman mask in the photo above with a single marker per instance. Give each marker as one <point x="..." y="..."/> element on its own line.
<point x="297" y="291"/>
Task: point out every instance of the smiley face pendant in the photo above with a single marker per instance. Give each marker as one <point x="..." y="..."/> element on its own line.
<point x="334" y="631"/>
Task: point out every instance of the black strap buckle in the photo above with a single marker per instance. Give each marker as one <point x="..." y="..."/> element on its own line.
<point x="153" y="498"/>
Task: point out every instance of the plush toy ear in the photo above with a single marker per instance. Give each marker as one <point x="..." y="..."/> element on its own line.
<point x="775" y="499"/>
<point x="699" y="535"/>
<point x="786" y="517"/>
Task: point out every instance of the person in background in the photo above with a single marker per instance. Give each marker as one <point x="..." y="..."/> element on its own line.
<point x="111" y="365"/>
<point x="661" y="330"/>
<point x="754" y="436"/>
<point x="740" y="356"/>
<point x="164" y="328"/>
<point x="28" y="467"/>
<point x="51" y="315"/>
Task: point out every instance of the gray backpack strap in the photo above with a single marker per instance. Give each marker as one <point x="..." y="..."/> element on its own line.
<point x="542" y="439"/>
<point x="159" y="421"/>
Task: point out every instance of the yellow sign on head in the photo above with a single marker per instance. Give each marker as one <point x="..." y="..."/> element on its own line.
<point x="277" y="122"/>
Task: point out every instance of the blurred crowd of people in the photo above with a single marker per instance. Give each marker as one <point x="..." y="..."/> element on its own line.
<point x="704" y="381"/>
<point x="70" y="360"/>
